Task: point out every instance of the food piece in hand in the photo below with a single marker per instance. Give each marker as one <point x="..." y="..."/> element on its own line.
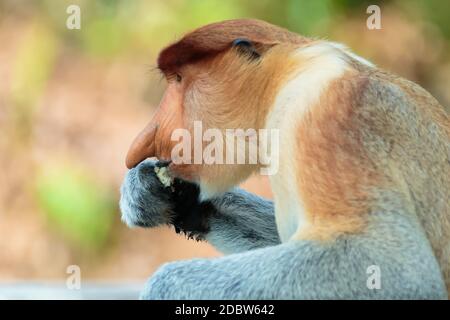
<point x="163" y="175"/>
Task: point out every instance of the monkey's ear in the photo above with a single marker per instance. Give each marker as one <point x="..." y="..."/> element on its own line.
<point x="247" y="48"/>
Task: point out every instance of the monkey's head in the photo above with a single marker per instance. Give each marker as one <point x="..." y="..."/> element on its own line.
<point x="222" y="76"/>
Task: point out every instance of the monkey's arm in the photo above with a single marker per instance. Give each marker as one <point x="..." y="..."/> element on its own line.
<point x="242" y="221"/>
<point x="391" y="259"/>
<point x="236" y="221"/>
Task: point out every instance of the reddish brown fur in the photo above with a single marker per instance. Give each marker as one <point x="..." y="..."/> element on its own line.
<point x="334" y="171"/>
<point x="212" y="39"/>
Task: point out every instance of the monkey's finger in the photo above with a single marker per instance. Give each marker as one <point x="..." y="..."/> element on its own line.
<point x="143" y="146"/>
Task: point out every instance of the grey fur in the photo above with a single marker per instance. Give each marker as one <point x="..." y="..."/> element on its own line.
<point x="262" y="268"/>
<point x="245" y="222"/>
<point x="309" y="270"/>
<point x="144" y="202"/>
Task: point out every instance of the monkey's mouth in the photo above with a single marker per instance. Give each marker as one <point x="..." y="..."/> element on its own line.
<point x="170" y="168"/>
<point x="163" y="163"/>
<point x="162" y="173"/>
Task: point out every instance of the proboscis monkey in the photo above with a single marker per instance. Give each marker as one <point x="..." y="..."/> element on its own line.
<point x="363" y="181"/>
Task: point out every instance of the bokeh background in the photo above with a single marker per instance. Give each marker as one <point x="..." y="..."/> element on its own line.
<point x="71" y="102"/>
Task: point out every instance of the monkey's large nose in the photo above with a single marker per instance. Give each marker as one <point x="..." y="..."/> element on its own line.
<point x="143" y="146"/>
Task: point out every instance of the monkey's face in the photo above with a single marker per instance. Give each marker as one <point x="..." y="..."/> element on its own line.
<point x="215" y="94"/>
<point x="225" y="90"/>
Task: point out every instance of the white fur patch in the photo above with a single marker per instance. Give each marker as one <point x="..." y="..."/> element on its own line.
<point x="351" y="54"/>
<point x="319" y="64"/>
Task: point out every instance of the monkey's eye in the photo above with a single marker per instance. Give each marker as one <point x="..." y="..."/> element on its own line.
<point x="178" y="77"/>
<point x="242" y="43"/>
<point x="246" y="47"/>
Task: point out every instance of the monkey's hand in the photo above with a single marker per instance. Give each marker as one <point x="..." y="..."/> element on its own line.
<point x="147" y="202"/>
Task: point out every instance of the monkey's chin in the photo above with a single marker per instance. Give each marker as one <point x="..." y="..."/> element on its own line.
<point x="213" y="180"/>
<point x="188" y="173"/>
<point x="211" y="188"/>
<point x="183" y="171"/>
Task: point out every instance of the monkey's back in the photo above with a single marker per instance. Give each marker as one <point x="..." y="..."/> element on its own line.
<point x="410" y="141"/>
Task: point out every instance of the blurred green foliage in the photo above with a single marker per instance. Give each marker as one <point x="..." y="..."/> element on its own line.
<point x="76" y="205"/>
<point x="438" y="13"/>
<point x="33" y="65"/>
<point x="111" y="27"/>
